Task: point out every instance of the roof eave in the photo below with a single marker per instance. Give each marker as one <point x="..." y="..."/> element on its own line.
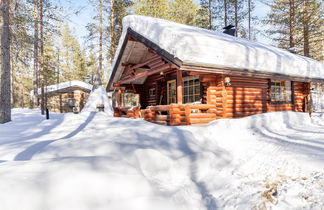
<point x="186" y="66"/>
<point x="150" y="45"/>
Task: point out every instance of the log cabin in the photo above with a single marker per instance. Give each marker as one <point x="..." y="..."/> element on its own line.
<point x="187" y="75"/>
<point x="65" y="97"/>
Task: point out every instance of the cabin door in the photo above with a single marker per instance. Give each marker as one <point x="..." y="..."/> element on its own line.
<point x="172" y="91"/>
<point x="317" y="94"/>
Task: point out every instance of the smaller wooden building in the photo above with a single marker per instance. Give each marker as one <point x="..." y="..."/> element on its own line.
<point x="65" y="97"/>
<point x="186" y="75"/>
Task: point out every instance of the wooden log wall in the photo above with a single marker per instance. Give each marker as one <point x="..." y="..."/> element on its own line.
<point x="248" y="96"/>
<point x="59" y="102"/>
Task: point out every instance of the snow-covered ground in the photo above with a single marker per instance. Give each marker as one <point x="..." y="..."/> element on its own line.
<point x="93" y="161"/>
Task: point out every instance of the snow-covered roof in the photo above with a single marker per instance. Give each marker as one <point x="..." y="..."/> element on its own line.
<point x="64" y="85"/>
<point x="193" y="45"/>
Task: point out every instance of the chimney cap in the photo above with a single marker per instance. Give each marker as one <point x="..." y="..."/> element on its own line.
<point x="230" y="26"/>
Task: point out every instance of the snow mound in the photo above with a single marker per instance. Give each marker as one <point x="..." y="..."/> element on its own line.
<point x="98" y="96"/>
<point x="91" y="161"/>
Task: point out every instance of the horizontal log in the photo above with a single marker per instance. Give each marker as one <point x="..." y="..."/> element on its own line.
<point x="201" y="120"/>
<point x="177" y="111"/>
<point x="241" y="114"/>
<point x="246" y="97"/>
<point x="161" y="117"/>
<point x="208" y="79"/>
<point x="202" y="115"/>
<point x="245" y="92"/>
<point x="256" y="101"/>
<point x="159" y="108"/>
<point x="247" y="85"/>
<point x="248" y="80"/>
<point x="161" y="122"/>
<point x="175" y="122"/>
<point x="202" y="106"/>
<point x="213" y="110"/>
<point x="175" y="116"/>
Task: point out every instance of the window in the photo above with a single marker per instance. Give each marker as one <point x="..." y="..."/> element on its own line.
<point x="280" y="91"/>
<point x="172" y="91"/>
<point x="191" y="90"/>
<point x="152" y="92"/>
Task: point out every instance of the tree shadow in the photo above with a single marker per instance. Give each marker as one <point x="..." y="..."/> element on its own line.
<point x="29" y="152"/>
<point x="282" y="139"/>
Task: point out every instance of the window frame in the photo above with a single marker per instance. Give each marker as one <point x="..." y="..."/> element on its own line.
<point x="170" y="95"/>
<point x="152" y="92"/>
<point x="287" y="92"/>
<point x="194" y="94"/>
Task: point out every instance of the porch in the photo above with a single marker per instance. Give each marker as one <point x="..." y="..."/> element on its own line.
<point x="173" y="114"/>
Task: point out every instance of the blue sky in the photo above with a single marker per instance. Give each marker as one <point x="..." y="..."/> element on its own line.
<point x="79" y="21"/>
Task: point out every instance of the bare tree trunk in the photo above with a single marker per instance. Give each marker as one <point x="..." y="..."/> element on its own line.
<point x="5" y="90"/>
<point x="236" y="19"/>
<point x="291" y="23"/>
<point x="12" y="81"/>
<point x="58" y="66"/>
<point x="225" y="12"/>
<point x="210" y="15"/>
<point x="112" y="30"/>
<point x="35" y="73"/>
<point x="306" y="28"/>
<point x="100" y="36"/>
<point x="42" y="57"/>
<point x="249" y="8"/>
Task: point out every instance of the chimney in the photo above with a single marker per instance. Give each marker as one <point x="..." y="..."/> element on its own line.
<point x="293" y="50"/>
<point x="229" y="30"/>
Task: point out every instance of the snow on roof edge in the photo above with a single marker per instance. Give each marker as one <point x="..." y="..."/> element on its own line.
<point x="63" y="85"/>
<point x="258" y="56"/>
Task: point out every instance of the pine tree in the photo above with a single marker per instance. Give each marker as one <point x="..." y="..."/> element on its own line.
<point x="118" y="10"/>
<point x="152" y="8"/>
<point x="183" y="11"/>
<point x="73" y="62"/>
<point x="35" y="59"/>
<point x="297" y="24"/>
<point x="206" y="14"/>
<point x="5" y="92"/>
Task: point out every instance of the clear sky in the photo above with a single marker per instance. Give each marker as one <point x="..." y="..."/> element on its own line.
<point x="79" y="20"/>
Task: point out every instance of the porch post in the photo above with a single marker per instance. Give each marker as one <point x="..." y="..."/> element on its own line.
<point x="120" y="97"/>
<point x="179" y="87"/>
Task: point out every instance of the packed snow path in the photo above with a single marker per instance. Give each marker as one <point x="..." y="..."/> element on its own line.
<point x="93" y="161"/>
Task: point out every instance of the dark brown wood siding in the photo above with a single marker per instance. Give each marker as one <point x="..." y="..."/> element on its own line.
<point x="248" y="96"/>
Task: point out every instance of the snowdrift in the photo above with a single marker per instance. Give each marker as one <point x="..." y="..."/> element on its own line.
<point x="89" y="161"/>
<point x="98" y="96"/>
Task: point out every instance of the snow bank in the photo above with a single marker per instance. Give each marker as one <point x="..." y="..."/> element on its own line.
<point x="201" y="46"/>
<point x="279" y="154"/>
<point x="89" y="161"/>
<point x="98" y="96"/>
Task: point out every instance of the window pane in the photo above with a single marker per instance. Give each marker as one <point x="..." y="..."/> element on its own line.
<point x="197" y="89"/>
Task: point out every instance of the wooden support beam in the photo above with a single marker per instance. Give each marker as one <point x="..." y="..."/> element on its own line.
<point x="120" y="97"/>
<point x="152" y="59"/>
<point x="162" y="68"/>
<point x="179" y="87"/>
